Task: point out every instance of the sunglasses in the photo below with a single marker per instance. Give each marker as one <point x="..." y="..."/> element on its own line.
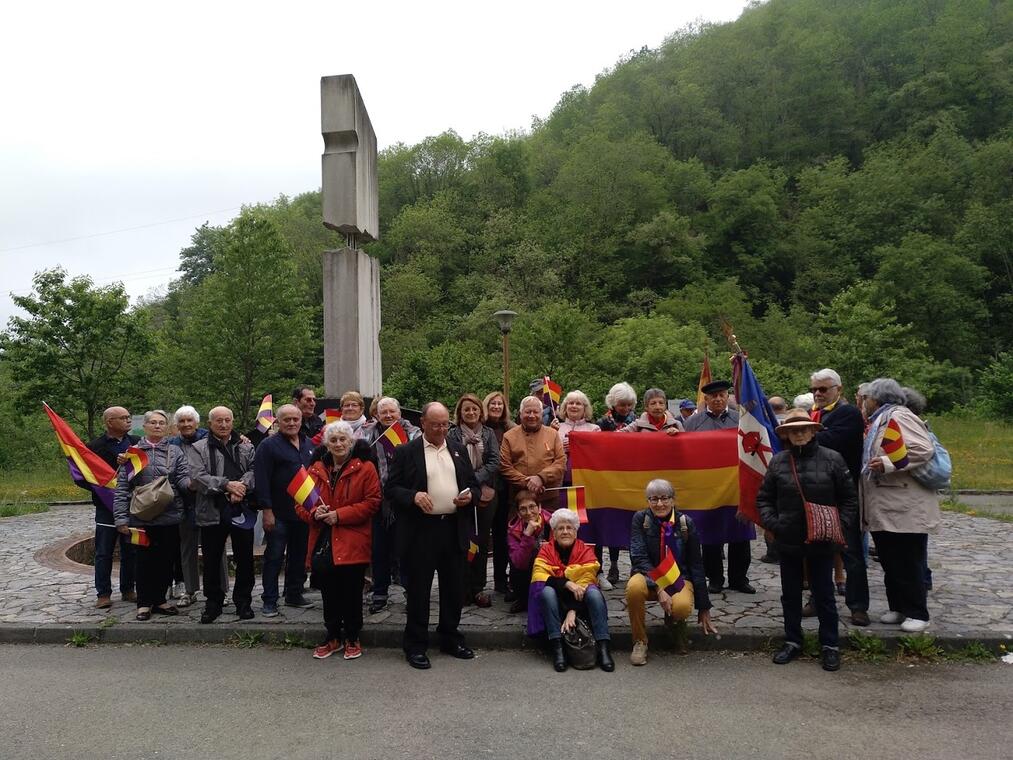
<point x="820" y="390"/>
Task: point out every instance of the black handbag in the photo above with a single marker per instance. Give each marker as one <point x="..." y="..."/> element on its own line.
<point x="578" y="644"/>
<point x="322" y="561"/>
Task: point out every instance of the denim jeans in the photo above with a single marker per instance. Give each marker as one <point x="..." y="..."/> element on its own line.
<point x="105" y="542"/>
<point x="287" y="540"/>
<point x="856" y="586"/>
<point x="593" y="605"/>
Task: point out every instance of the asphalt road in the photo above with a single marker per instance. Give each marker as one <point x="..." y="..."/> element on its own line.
<point x="192" y="702"/>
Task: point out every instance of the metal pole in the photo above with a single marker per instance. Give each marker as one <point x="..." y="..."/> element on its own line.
<point x="506" y="368"/>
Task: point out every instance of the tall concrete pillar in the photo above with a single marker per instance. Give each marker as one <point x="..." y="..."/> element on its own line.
<point x="351" y="323"/>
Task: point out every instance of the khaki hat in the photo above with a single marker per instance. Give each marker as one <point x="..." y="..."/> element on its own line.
<point x="794" y="419"/>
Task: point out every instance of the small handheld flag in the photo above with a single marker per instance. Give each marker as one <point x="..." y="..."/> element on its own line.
<point x="894" y="446"/>
<point x="551" y="392"/>
<point x="331" y="415"/>
<point x="303" y="489"/>
<point x="575" y="502"/>
<point x="86" y="467"/>
<point x="667" y="575"/>
<point x="393" y="437"/>
<point x="137" y="460"/>
<point x="138" y="536"/>
<point x="265" y="416"/>
<point x="472" y="549"/>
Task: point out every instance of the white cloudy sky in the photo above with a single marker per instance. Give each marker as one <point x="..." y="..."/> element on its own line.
<point x="143" y="120"/>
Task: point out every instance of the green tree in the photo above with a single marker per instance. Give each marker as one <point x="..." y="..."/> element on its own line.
<point x="80" y="348"/>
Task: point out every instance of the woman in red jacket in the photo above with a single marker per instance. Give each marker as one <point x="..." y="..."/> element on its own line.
<point x="341" y="535"/>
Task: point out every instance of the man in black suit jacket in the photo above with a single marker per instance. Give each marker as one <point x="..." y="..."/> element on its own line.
<point x="432" y="486"/>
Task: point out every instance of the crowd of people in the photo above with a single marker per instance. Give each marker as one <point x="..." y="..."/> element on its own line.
<point x="480" y="482"/>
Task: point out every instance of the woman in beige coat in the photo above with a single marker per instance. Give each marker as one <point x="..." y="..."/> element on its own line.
<point x="896" y="508"/>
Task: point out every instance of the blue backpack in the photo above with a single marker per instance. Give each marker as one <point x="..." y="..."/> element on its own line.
<point x="935" y="474"/>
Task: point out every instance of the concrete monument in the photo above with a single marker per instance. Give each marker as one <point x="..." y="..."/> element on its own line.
<point x="350" y="206"/>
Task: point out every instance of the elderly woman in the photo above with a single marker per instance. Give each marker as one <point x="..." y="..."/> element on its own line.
<point x="339" y="535"/>
<point x="388" y="412"/>
<point x="483" y="451"/>
<point x="497" y="419"/>
<point x="656" y="417"/>
<point x="803" y="472"/>
<point x="188" y="432"/>
<point x="621" y="400"/>
<point x="532" y="457"/>
<point x="154" y="561"/>
<point x="657" y="533"/>
<point x="562" y="585"/>
<point x="353" y="408"/>
<point x="897" y="509"/>
<point x="524" y="538"/>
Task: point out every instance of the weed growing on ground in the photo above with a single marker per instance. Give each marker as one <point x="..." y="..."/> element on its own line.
<point x="810" y="645"/>
<point x="109" y="622"/>
<point x="291" y="641"/>
<point x="921" y="646"/>
<point x="866" y="646"/>
<point x="245" y="640"/>
<point x="81" y="639"/>
<point x="975" y="651"/>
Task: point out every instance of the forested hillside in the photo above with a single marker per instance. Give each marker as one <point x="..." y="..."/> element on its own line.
<point x="833" y="179"/>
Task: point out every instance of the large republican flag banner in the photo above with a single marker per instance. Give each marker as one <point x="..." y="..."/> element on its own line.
<point x="614" y="469"/>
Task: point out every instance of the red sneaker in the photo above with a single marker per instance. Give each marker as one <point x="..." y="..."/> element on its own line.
<point x="353" y="649"/>
<point x="328" y="648"/>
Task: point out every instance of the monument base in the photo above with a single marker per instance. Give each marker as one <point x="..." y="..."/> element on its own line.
<point x="351" y="323"/>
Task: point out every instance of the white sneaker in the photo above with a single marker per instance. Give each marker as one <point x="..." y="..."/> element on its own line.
<point x="185" y="600"/>
<point x="177" y="590"/>
<point x="913" y="625"/>
<point x="639" y="655"/>
<point x="603" y="582"/>
<point x="891" y="618"/>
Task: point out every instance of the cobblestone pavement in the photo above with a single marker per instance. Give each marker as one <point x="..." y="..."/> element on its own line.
<point x="970" y="557"/>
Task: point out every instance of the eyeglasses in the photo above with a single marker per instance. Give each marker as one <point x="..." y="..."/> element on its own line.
<point x="658" y="499"/>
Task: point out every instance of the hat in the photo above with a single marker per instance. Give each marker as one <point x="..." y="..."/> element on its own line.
<point x="687" y="404"/>
<point x="716" y="385"/>
<point x="795" y="419"/>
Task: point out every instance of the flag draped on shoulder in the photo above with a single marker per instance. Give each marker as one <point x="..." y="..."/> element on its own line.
<point x="265" y="415"/>
<point x="757" y="441"/>
<point x="303" y="489"/>
<point x="894" y="446"/>
<point x="86" y="467"/>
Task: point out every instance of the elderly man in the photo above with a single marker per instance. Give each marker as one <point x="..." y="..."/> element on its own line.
<point x="278" y="460"/>
<point x="843" y="431"/>
<point x="433" y="488"/>
<point x="111" y="446"/>
<point x="388" y="412"/>
<point x="224" y="478"/>
<point x="717" y="416"/>
<point x="305" y="398"/>
<point x="531" y="456"/>
<point x="655" y="533"/>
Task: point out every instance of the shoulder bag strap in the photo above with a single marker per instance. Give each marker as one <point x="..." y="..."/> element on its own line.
<point x="794" y="474"/>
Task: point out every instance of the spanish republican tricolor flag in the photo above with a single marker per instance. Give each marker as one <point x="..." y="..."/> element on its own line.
<point x="667" y="575"/>
<point x="393" y="437"/>
<point x="303" y="489"/>
<point x="551" y="392"/>
<point x="574" y="500"/>
<point x="472" y="548"/>
<point x="86" y="467"/>
<point x="265" y="415"/>
<point x="331" y="415"/>
<point x="705" y="379"/>
<point x="894" y="446"/>
<point x="614" y="470"/>
<point x="139" y="537"/>
<point x="137" y="460"/>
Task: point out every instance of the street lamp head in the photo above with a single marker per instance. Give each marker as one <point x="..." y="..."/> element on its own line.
<point x="504" y="319"/>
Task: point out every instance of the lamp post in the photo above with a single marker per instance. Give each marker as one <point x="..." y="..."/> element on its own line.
<point x="504" y="318"/>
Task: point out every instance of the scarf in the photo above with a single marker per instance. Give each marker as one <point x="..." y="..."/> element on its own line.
<point x="473" y="440"/>
<point x="879" y="419"/>
<point x="356" y="424"/>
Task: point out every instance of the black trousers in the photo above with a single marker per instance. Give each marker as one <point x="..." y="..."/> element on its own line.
<point x="213" y="539"/>
<point x="341" y="591"/>
<point x="500" y="550"/>
<point x="738" y="563"/>
<point x="477" y="572"/>
<point x="433" y="548"/>
<point x="520" y="579"/>
<point x="154" y="564"/>
<point x="821" y="583"/>
<point x="902" y="556"/>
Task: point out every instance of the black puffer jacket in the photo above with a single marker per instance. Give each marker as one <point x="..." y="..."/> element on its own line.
<point x="825" y="480"/>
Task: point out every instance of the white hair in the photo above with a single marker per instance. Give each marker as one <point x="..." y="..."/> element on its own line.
<point x="659" y="487"/>
<point x="389" y="400"/>
<point x="531" y="400"/>
<point x="152" y="412"/>
<point x="339" y="426"/>
<point x="826" y="374"/>
<point x="185" y="411"/>
<point x="620" y="392"/>
<point x="804" y="401"/>
<point x="564" y="515"/>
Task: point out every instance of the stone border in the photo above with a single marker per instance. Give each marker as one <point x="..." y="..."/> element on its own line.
<point x="54" y="555"/>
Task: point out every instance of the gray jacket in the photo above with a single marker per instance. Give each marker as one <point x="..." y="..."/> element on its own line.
<point x="163" y="459"/>
<point x="211" y="484"/>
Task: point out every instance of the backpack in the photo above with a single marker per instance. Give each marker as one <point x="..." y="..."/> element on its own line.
<point x="935" y="474"/>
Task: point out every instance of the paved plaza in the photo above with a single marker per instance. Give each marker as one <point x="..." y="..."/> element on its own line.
<point x="44" y="596"/>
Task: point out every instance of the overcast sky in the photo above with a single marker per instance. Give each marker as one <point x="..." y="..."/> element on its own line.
<point x="144" y="120"/>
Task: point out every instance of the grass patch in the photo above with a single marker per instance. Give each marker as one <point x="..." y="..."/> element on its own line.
<point x="16" y="509"/>
<point x="40" y="485"/>
<point x="975" y="651"/>
<point x="245" y="640"/>
<point x="866" y="646"/>
<point x="81" y="639"/>
<point x="949" y="505"/>
<point x="981" y="449"/>
<point x="291" y="641"/>
<point x="920" y="646"/>
<point x="811" y="645"/>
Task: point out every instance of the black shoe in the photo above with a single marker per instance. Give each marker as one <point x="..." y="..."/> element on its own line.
<point x="460" y="651"/>
<point x="210" y="613"/>
<point x="786" y="654"/>
<point x="299" y="601"/>
<point x="520" y="605"/>
<point x="558" y="656"/>
<point x="715" y="587"/>
<point x="743" y="588"/>
<point x="244" y="611"/>
<point x="376" y="605"/>
<point x="831" y="659"/>
<point x="509" y="595"/>
<point x="769" y="559"/>
<point x="613" y="577"/>
<point x="605" y="661"/>
<point x="419" y="661"/>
